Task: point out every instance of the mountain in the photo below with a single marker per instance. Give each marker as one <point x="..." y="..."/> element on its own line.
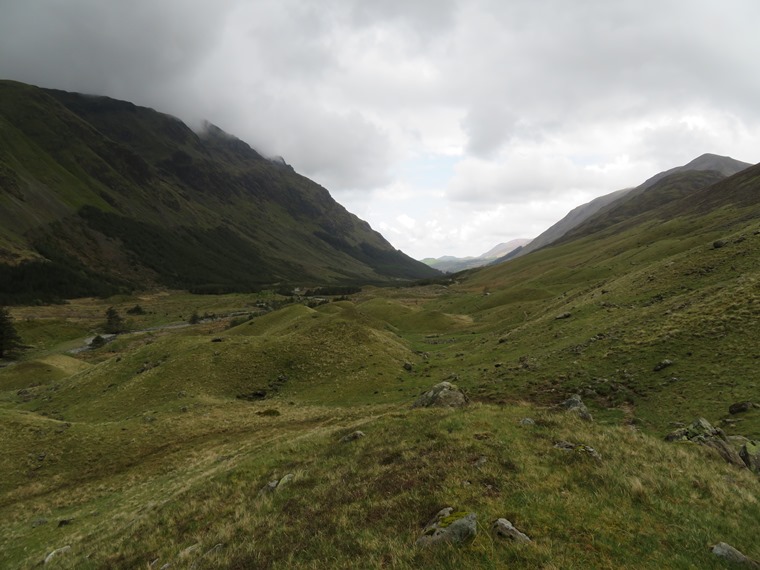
<point x="451" y="264"/>
<point x="99" y="195"/>
<point x="724" y="165"/>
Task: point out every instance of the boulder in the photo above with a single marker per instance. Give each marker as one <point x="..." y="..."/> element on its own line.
<point x="441" y="395"/>
<point x="563" y="316"/>
<point x="699" y="431"/>
<point x="353" y="436"/>
<point x="449" y="527"/>
<point x="504" y="529"/>
<point x="750" y="454"/>
<point x="575" y="404"/>
<point x="740" y="407"/>
<point x="731" y="554"/>
<point x="527" y="422"/>
<point x="408" y="366"/>
<point x="702" y="432"/>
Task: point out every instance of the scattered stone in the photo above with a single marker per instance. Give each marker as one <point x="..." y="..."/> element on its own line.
<point x="408" y="366"/>
<point x="166" y="566"/>
<point x="504" y="529"/>
<point x="39" y="522"/>
<point x="563" y="316"/>
<point x="579" y="448"/>
<point x="740" y="407"/>
<point x="662" y="365"/>
<point x="444" y="394"/>
<point x="728" y="552"/>
<point x="65" y="522"/>
<point x="353" y="436"/>
<point x="527" y="422"/>
<point x="575" y="404"/>
<point x="718" y="243"/>
<point x="252" y="396"/>
<point x="276" y="485"/>
<point x="56" y="552"/>
<point x="217" y="339"/>
<point x="449" y="527"/>
<point x="750" y="454"/>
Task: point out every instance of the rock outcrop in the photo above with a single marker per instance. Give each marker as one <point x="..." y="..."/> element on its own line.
<point x="443" y="395"/>
<point x="702" y="432"/>
<point x="575" y="404"/>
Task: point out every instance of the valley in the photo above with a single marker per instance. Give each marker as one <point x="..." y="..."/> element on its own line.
<point x="147" y="449"/>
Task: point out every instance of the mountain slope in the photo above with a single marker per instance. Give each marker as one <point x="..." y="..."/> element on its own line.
<point x="98" y="194"/>
<point x="724" y="165"/>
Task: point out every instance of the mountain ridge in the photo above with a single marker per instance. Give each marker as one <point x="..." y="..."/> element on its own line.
<point x="724" y="165"/>
<point x="97" y="191"/>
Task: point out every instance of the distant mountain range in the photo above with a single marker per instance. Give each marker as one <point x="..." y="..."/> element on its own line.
<point x="99" y="195"/>
<point x="451" y="264"/>
<point x="610" y="205"/>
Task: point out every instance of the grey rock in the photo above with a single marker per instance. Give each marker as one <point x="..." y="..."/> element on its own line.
<point x="580" y="449"/>
<point x="353" y="436"/>
<point x="725" y="450"/>
<point x="285" y="481"/>
<point x="449" y="527"/>
<point x="702" y="432"/>
<point x="750" y="454"/>
<point x="443" y="394"/>
<point x="575" y="404"/>
<point x="39" y="522"/>
<point x="56" y="552"/>
<point x="718" y="243"/>
<point x="269" y="488"/>
<point x="505" y="529"/>
<point x="731" y="554"/>
<point x="408" y="366"/>
<point x="563" y="316"/>
<point x="166" y="566"/>
<point x="662" y="365"/>
<point x="527" y="422"/>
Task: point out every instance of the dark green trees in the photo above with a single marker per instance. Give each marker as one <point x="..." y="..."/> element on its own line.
<point x="114" y="322"/>
<point x="9" y="339"/>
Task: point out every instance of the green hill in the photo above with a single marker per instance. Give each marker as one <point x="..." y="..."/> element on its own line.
<point x="99" y="195"/>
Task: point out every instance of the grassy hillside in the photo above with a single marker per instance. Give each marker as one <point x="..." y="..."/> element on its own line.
<point x="100" y="196"/>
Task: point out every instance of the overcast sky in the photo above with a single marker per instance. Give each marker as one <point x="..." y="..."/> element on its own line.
<point x="449" y="125"/>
